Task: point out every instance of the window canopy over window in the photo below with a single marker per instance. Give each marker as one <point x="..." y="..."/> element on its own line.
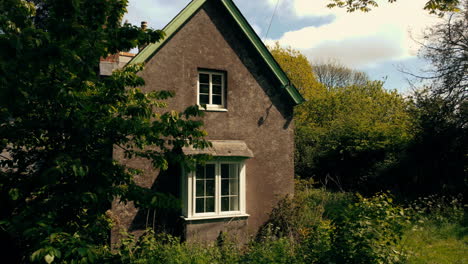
<point x="223" y="148"/>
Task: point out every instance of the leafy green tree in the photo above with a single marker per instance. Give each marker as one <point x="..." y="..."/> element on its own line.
<point x="433" y="6"/>
<point x="345" y="135"/>
<point x="435" y="161"/>
<point x="352" y="134"/>
<point x="59" y="123"/>
<point x="298" y="69"/>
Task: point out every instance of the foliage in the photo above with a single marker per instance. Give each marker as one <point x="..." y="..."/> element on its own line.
<point x="435" y="159"/>
<point x="445" y="47"/>
<point x="298" y="69"/>
<point x="151" y="248"/>
<point x="437" y="208"/>
<point x="329" y="227"/>
<point x="60" y="121"/>
<point x="351" y="134"/>
<point x="370" y="231"/>
<point x="439" y="230"/>
<point x="345" y="135"/>
<point x="332" y="74"/>
<point x="433" y="6"/>
<point x="274" y="250"/>
<point x="341" y="228"/>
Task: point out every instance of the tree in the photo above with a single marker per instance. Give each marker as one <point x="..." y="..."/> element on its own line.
<point x="434" y="161"/>
<point x="59" y="123"/>
<point x="433" y="6"/>
<point x="345" y="135"/>
<point x="351" y="135"/>
<point x="298" y="69"/>
<point x="332" y="74"/>
<point x="446" y="48"/>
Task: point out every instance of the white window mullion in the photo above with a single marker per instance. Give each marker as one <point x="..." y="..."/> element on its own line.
<point x="223" y="93"/>
<point x="218" y="188"/>
<point x="211" y="89"/>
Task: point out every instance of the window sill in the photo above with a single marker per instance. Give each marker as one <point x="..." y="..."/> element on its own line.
<point x="195" y="218"/>
<point x="212" y="109"/>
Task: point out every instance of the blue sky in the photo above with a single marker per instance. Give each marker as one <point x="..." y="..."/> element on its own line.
<point x="379" y="42"/>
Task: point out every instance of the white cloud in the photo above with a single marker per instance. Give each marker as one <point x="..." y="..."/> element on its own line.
<point x="360" y="39"/>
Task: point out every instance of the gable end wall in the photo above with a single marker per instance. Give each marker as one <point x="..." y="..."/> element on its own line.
<point x="258" y="113"/>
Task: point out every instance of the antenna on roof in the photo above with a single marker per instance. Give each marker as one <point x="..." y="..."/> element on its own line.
<point x="271" y="20"/>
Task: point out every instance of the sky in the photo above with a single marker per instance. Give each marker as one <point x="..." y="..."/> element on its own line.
<point x="380" y="42"/>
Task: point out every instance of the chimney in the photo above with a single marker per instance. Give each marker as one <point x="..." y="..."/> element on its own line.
<point x="144" y="26"/>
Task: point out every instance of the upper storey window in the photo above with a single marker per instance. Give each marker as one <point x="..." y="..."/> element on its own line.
<point x="212" y="90"/>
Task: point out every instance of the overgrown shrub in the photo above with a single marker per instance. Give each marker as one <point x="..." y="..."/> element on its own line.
<point x="330" y="227"/>
<point x="272" y="251"/>
<point x="321" y="227"/>
<point x="439" y="208"/>
<point x="369" y="231"/>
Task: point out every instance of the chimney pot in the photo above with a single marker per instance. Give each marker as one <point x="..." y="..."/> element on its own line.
<point x="144" y="25"/>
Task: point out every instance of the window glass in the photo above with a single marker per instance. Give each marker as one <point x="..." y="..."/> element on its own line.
<point x="217" y="89"/>
<point x="208" y="179"/>
<point x="217" y="99"/>
<point x="204" y="89"/>
<point x="204" y="99"/>
<point x="211" y="89"/>
<point x="204" y="78"/>
<point x="217" y="79"/>
<point x="205" y="189"/>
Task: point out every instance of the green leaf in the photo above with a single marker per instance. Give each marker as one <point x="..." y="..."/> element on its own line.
<point x="14" y="194"/>
<point x="49" y="258"/>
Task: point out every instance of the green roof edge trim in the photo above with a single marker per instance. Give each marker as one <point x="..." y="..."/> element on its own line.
<point x="169" y="30"/>
<point x="190" y="10"/>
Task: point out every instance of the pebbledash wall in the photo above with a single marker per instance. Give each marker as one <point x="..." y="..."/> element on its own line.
<point x="258" y="113"/>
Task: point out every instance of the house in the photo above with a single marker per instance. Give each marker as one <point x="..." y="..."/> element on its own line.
<point x="211" y="56"/>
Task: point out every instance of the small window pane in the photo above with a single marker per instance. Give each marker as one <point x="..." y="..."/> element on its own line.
<point x="233" y="171"/>
<point x="200" y="172"/>
<point x="210" y="187"/>
<point x="200" y="207"/>
<point x="204" y="88"/>
<point x="210" y="171"/>
<point x="234" y="187"/>
<point x="234" y="204"/>
<point x="200" y="188"/>
<point x="204" y="78"/>
<point x="225" y="204"/>
<point x="209" y="205"/>
<point x="216" y="79"/>
<point x="217" y="89"/>
<point x="204" y="99"/>
<point x="224" y="171"/>
<point x="224" y="187"/>
<point x="217" y="99"/>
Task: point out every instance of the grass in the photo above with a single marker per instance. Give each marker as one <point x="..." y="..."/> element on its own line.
<point x="437" y="243"/>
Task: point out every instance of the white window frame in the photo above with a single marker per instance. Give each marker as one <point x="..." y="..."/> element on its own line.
<point x="189" y="197"/>
<point x="210" y="105"/>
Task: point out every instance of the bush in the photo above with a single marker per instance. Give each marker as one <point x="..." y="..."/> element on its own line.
<point x="330" y="227"/>
<point x="272" y="251"/>
<point x="369" y="231"/>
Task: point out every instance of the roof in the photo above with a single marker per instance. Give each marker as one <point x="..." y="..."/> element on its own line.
<point x="223" y="148"/>
<point x="190" y="10"/>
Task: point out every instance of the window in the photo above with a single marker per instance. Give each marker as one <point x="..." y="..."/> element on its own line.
<point x="216" y="190"/>
<point x="211" y="89"/>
